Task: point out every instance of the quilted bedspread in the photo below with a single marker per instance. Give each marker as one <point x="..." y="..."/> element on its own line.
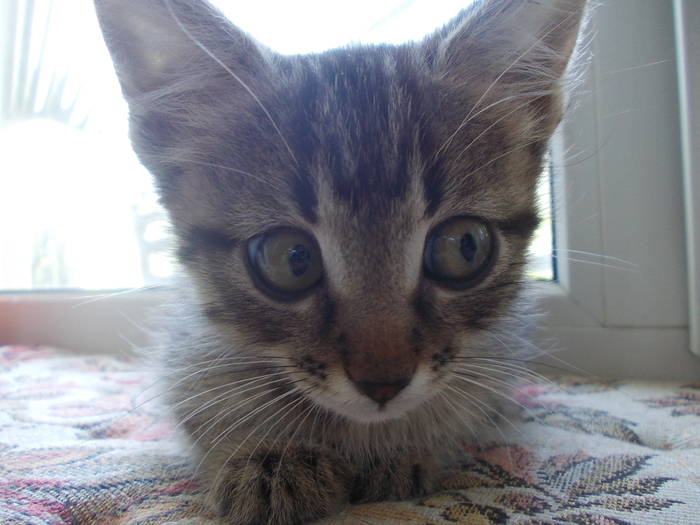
<point x="83" y="441"/>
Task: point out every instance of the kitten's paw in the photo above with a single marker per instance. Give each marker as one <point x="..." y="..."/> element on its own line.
<point x="283" y="484"/>
<point x="406" y="476"/>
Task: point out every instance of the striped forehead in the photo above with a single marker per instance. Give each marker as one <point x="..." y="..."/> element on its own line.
<point x="359" y="126"/>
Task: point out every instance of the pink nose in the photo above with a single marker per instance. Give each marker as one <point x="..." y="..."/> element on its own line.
<point x="382" y="392"/>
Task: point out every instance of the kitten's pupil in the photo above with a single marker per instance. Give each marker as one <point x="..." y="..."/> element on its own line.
<point x="299" y="260"/>
<point x="468" y="247"/>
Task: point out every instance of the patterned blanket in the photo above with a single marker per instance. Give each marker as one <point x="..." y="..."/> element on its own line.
<point x="82" y="441"/>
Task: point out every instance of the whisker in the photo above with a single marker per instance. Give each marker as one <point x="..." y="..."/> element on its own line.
<point x="516" y="372"/>
<point x="491" y="126"/>
<point x="492" y="389"/>
<point x="255" y="412"/>
<point x="283" y="407"/>
<point x="633" y="68"/>
<point x="594" y="263"/>
<point x="108" y="295"/>
<point x="507" y="346"/>
<point x="163" y="393"/>
<point x="491" y="378"/>
<point x="222" y="435"/>
<point x="290" y="408"/>
<point x="593" y="254"/>
<point x="473" y="399"/>
<point x="461" y="415"/>
<point x="471" y="116"/>
<point x="541" y="353"/>
<point x="201" y="370"/>
<point x="498" y="157"/>
<point x="290" y="439"/>
<point x="257" y="178"/>
<point x="225" y="396"/>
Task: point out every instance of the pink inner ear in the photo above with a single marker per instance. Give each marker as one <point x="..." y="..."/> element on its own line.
<point x="156" y="42"/>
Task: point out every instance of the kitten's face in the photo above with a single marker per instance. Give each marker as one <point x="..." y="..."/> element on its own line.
<point x="362" y="256"/>
<point x="362" y="214"/>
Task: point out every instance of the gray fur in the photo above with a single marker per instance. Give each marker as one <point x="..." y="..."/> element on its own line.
<point x="358" y="388"/>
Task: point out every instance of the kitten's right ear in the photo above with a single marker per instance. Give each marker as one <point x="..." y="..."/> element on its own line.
<point x="515" y="54"/>
<point x="156" y="42"/>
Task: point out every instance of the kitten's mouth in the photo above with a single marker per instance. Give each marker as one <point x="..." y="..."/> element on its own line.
<point x="375" y="401"/>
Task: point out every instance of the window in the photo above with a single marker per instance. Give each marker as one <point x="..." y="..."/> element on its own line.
<point x="71" y="189"/>
<point x="620" y="302"/>
<point x="620" y="195"/>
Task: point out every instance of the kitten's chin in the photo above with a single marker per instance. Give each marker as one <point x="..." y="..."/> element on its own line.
<point x="348" y="402"/>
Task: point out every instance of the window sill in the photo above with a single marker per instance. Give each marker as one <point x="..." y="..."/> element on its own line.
<point x="83" y="322"/>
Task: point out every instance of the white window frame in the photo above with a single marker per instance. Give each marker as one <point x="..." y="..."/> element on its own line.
<point x="623" y="157"/>
<point x="687" y="22"/>
<point x="620" y="194"/>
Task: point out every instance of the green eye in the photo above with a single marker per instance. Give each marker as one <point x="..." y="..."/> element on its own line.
<point x="459" y="251"/>
<point x="287" y="261"/>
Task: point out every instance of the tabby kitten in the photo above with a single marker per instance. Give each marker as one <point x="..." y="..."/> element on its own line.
<point x="352" y="226"/>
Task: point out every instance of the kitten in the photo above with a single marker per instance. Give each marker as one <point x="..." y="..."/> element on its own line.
<point x="353" y="227"/>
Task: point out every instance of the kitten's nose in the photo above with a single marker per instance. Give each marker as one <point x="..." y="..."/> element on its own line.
<point x="382" y="392"/>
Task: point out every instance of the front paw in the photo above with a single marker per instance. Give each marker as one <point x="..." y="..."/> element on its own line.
<point x="280" y="484"/>
<point x="404" y="476"/>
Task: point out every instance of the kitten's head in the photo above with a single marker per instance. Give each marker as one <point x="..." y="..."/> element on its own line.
<point x="362" y="213"/>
